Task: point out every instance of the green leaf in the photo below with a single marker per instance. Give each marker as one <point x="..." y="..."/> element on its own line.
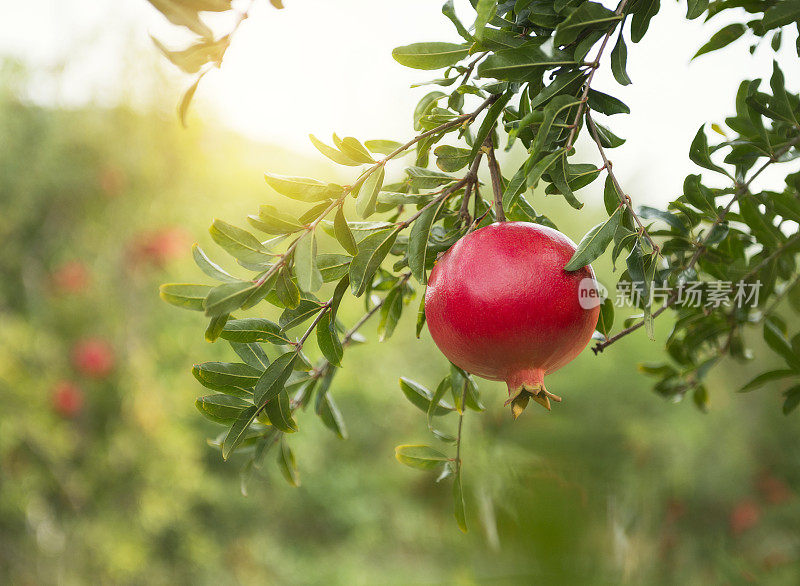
<point x="331" y="416"/>
<point x="782" y="13"/>
<point x="238" y="431"/>
<point x="209" y="267"/>
<point x="215" y="326"/>
<point x="766" y="377"/>
<point x="391" y="310"/>
<point x="271" y="381"/>
<point x="450" y="159"/>
<point x="343" y="234"/>
<point x="253" y="329"/>
<point x="263" y="286"/>
<point x="605" y="320"/>
<point x="328" y="340"/>
<point x="540" y="167"/>
<point x="418" y="241"/>
<point x="368" y="194"/>
<point x="619" y="60"/>
<point x="333" y="266"/>
<point x="458" y="502"/>
<point x="595" y="242"/>
<point x="279" y="412"/>
<point x="436" y="399"/>
<point x="227" y="298"/>
<point x="421" y="397"/>
<point x="288" y="465"/>
<point x="722" y="38"/>
<point x="605" y="104"/>
<point x="430" y="55"/>
<point x="427" y="179"/>
<point x="220" y="376"/>
<point x="272" y="221"/>
<point x="221" y="408"/>
<point x="792" y="399"/>
<point x="561" y="183"/>
<point x="421" y="316"/>
<point x="333" y="154"/>
<point x="239" y="243"/>
<point x="371" y="252"/>
<point x="551" y="111"/>
<point x="185" y="295"/>
<point x="309" y="278"/>
<point x="645" y="10"/>
<point x="286" y="290"/>
<point x="382" y="147"/>
<point x="695" y="8"/>
<point x="420" y="457"/>
<point x="353" y="148"/>
<point x="672" y="220"/>
<point x="589" y="15"/>
<point x="448" y="9"/>
<point x="303" y="188"/>
<point x="514" y="188"/>
<point x="700" y="155"/>
<point x="486" y="10"/>
<point x="492" y="114"/>
<point x="306" y="309"/>
<point x="522" y="63"/>
<point x="775" y="339"/>
<point x="252" y="354"/>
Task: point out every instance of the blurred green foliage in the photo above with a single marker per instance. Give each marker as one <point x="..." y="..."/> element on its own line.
<point x="615" y="486"/>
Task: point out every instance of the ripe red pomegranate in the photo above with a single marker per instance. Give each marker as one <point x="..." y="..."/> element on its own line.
<point x="500" y="305"/>
<point x="67" y="399"/>
<point x="93" y="357"/>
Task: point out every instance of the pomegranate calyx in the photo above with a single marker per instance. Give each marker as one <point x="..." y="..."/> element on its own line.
<point x="519" y="399"/>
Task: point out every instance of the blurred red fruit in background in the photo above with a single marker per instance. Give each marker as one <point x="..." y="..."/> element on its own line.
<point x="774" y="490"/>
<point x="67" y="399"/>
<point x="159" y="247"/>
<point x="112" y="180"/>
<point x="71" y="277"/>
<point x="744" y="515"/>
<point x="93" y="357"/>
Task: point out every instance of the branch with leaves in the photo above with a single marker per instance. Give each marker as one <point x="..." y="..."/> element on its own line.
<point x="521" y="75"/>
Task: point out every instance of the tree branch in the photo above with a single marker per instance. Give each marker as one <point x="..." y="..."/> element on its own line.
<point x="465" y="119"/>
<point x="702" y="247"/>
<point x="497" y="182"/>
<point x="595" y="66"/>
<point x="623" y="197"/>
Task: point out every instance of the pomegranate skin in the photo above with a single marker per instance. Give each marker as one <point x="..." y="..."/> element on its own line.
<point x="500" y="305"/>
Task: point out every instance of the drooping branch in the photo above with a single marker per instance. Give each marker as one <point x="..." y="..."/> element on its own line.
<point x="587" y="86"/>
<point x="623" y="197"/>
<point x="703" y="245"/>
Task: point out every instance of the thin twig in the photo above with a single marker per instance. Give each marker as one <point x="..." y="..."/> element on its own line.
<point x="473" y="182"/>
<point x="595" y="66"/>
<point x="466" y="118"/>
<point x="623" y="197"/>
<point x="789" y="241"/>
<point x="497" y="182"/>
<point x="460" y="425"/>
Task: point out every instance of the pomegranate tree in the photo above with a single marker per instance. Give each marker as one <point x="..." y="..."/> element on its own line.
<point x="499" y="287"/>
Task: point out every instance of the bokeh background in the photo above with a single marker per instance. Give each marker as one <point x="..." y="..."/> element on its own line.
<point x="105" y="474"/>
